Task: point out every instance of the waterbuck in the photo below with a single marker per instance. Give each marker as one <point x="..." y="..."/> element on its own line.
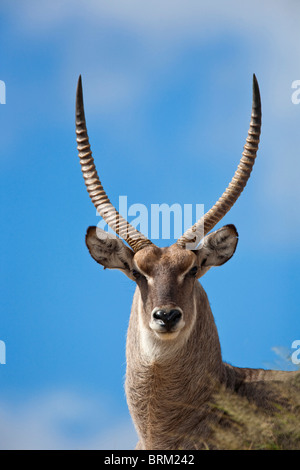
<point x="174" y="363"/>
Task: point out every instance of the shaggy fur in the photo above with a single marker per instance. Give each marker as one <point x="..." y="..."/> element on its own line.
<point x="175" y="379"/>
<point x="171" y="399"/>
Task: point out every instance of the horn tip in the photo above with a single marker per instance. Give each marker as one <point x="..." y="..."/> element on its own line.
<point x="256" y="92"/>
<point x="79" y="88"/>
<point x="79" y="97"/>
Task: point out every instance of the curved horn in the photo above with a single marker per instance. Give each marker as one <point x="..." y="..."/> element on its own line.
<point x="238" y="182"/>
<point x="132" y="236"/>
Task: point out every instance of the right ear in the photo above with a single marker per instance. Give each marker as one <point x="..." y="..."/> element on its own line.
<point x="109" y="250"/>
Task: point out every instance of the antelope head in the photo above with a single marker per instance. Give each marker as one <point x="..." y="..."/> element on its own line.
<point x="165" y="277"/>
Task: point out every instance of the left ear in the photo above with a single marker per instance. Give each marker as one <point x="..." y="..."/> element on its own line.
<point x="216" y="248"/>
<point x="109" y="250"/>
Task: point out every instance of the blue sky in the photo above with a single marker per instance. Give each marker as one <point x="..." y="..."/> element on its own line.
<point x="167" y="87"/>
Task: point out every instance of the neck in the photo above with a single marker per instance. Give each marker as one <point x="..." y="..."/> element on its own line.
<point x="169" y="383"/>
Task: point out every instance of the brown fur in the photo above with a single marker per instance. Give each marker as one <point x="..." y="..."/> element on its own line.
<point x="172" y="401"/>
<point x="173" y="379"/>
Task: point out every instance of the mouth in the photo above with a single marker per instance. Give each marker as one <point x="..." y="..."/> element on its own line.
<point x="166" y="335"/>
<point x="164" y="332"/>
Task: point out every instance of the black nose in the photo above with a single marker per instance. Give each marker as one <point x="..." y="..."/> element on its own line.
<point x="167" y="319"/>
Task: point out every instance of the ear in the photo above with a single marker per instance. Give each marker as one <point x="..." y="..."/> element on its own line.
<point x="109" y="250"/>
<point x="217" y="248"/>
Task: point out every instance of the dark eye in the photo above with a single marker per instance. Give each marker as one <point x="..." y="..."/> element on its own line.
<point x="193" y="271"/>
<point x="136" y="274"/>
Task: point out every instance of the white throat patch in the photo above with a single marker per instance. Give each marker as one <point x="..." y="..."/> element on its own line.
<point x="157" y="347"/>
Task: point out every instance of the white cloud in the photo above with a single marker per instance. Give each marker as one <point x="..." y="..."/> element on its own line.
<point x="283" y="360"/>
<point x="62" y="420"/>
<point x="160" y="32"/>
<point x="120" y="437"/>
<point x="156" y="35"/>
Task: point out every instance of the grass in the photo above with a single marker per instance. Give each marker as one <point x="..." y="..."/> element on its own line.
<point x="243" y="425"/>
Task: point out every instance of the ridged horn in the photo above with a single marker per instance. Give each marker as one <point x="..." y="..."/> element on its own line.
<point x="194" y="234"/>
<point x="107" y="211"/>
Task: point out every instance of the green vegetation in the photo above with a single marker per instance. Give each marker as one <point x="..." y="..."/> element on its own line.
<point x="244" y="425"/>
